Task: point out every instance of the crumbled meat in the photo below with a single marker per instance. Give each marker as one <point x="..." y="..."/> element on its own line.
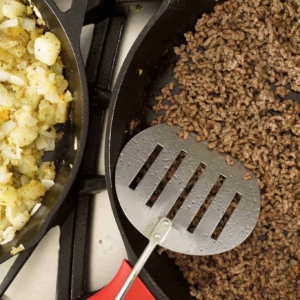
<point x="229" y="160"/>
<point x="246" y="176"/>
<point x="226" y="73"/>
<point x="281" y="91"/>
<point x="133" y="127"/>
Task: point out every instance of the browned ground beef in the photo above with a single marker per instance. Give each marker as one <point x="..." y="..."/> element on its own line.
<point x="233" y="73"/>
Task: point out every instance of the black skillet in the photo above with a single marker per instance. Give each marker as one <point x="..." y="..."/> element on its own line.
<point x="132" y="99"/>
<point x="67" y="27"/>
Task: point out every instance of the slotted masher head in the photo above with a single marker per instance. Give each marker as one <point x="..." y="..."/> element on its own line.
<point x="156" y="156"/>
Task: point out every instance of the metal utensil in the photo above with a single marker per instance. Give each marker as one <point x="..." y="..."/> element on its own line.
<point x="203" y="185"/>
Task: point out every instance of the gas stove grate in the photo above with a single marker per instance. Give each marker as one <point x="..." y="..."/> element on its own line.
<point x="74" y="226"/>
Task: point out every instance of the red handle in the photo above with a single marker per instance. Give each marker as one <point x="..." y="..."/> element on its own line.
<point x="137" y="291"/>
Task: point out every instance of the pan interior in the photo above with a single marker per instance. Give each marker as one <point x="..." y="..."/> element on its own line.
<point x="134" y="94"/>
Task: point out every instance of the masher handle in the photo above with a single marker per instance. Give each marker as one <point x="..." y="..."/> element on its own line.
<point x="157" y="236"/>
<point x="135" y="271"/>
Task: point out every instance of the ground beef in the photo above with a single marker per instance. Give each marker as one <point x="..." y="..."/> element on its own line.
<point x="234" y="74"/>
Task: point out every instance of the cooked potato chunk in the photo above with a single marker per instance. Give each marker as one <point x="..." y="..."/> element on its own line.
<point x="12" y="9"/>
<point x="47" y="48"/>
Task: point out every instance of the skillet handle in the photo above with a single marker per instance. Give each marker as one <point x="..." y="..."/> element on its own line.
<point x="71" y="20"/>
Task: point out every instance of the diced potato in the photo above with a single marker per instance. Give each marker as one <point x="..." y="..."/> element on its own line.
<point x="4" y="115"/>
<point x="47" y="171"/>
<point x="7" y="60"/>
<point x="61" y="84"/>
<point x="28" y="166"/>
<point x="4" y="222"/>
<point x="18" y="34"/>
<point x="30" y="204"/>
<point x="13" y="9"/>
<point x="12" y="212"/>
<point x="32" y="190"/>
<point x="47" y="48"/>
<point x="47" y="112"/>
<point x="23" y="136"/>
<point x="9" y="155"/>
<point x="5" y="178"/>
<point x="27" y="24"/>
<point x="25" y="118"/>
<point x="1" y="18"/>
<point x="41" y="142"/>
<point x="61" y="112"/>
<point x="32" y="98"/>
<point x="39" y="82"/>
<point x="8" y="195"/>
<point x="5" y="101"/>
<point x="20" y="220"/>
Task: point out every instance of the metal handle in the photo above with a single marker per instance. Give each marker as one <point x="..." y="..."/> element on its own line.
<point x="157" y="236"/>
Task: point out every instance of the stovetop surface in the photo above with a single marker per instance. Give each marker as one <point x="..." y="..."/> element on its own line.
<point x="82" y="252"/>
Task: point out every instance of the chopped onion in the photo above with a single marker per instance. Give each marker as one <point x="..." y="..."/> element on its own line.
<point x="41" y="142"/>
<point x="28" y="24"/>
<point x="8" y="44"/>
<point x="50" y="145"/>
<point x="25" y="119"/>
<point x="52" y="97"/>
<point x="35" y="208"/>
<point x="22" y="65"/>
<point x="17" y="80"/>
<point x="2" y="144"/>
<point x="68" y="96"/>
<point x="9" y="23"/>
<point x="51" y="77"/>
<point x="47" y="184"/>
<point x="8" y="126"/>
<point x="24" y="179"/>
<point x="5" y="177"/>
<point x="18" y="152"/>
<point x="23" y="136"/>
<point x="5" y="76"/>
<point x="5" y="99"/>
<point x="20" y="220"/>
<point x="8" y="153"/>
<point x="8" y="235"/>
<point x="47" y="134"/>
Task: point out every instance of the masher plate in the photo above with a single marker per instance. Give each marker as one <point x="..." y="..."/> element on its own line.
<point x="133" y="201"/>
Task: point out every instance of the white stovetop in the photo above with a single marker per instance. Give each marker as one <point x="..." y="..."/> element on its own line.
<point x="38" y="277"/>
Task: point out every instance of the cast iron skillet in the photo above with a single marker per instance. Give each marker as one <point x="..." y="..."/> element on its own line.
<point x="132" y="99"/>
<point x="67" y="26"/>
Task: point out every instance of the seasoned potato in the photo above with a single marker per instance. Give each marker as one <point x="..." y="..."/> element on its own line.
<point x="47" y="48"/>
<point x="33" y="99"/>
